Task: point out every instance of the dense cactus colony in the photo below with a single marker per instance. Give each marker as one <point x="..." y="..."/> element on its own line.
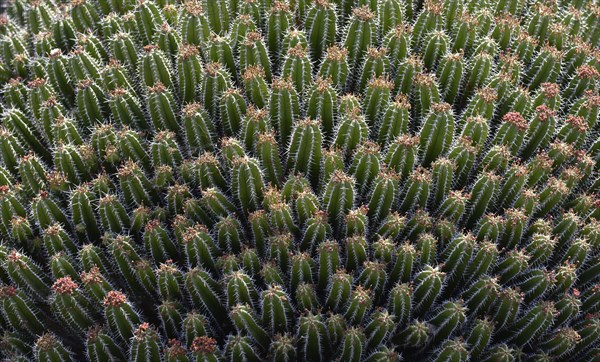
<point x="351" y="180"/>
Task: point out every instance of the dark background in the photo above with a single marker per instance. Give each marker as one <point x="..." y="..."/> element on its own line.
<point x="3" y="6"/>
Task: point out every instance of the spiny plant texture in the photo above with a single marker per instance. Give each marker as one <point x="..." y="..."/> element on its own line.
<point x="290" y="180"/>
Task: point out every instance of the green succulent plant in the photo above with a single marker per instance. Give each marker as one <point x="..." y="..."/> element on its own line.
<point x="315" y="180"/>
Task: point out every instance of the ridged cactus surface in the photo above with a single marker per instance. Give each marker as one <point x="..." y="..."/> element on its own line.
<point x="300" y="180"/>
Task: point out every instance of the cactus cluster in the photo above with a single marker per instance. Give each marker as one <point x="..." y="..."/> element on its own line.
<point x="319" y="180"/>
